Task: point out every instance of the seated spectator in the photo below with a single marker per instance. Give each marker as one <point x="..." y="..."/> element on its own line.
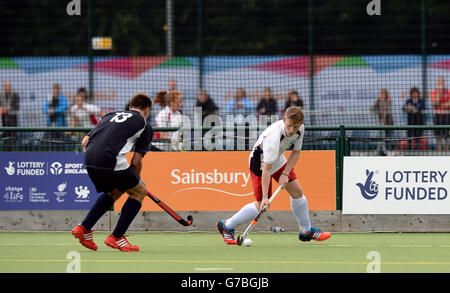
<point x="84" y="115"/>
<point x="169" y="116"/>
<point x="414" y="107"/>
<point x="205" y="102"/>
<point x="267" y="105"/>
<point x="240" y="104"/>
<point x="293" y="99"/>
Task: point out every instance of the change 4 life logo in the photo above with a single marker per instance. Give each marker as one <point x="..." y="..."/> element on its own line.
<point x="369" y="190"/>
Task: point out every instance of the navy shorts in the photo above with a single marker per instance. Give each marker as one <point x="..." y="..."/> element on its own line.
<point x="106" y="180"/>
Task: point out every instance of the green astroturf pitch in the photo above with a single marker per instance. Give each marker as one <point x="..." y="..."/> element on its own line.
<point x="200" y="252"/>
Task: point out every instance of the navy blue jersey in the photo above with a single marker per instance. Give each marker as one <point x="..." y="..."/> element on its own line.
<point x="115" y="136"/>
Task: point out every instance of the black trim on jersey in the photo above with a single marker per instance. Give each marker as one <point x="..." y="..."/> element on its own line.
<point x="143" y="142"/>
<point x="255" y="162"/>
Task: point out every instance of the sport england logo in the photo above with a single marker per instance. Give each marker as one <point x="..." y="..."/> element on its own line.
<point x="370" y="188"/>
<point x="56" y="168"/>
<point x="10" y="170"/>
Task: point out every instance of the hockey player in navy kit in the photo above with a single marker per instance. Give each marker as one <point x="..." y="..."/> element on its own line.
<point x="106" y="146"/>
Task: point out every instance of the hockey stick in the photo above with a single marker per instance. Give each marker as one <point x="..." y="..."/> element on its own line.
<point x="171" y="212"/>
<point x="240" y="239"/>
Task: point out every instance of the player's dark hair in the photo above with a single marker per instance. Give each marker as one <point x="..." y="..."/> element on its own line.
<point x="141" y="101"/>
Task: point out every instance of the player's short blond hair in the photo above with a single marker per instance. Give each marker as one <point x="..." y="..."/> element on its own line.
<point x="295" y="114"/>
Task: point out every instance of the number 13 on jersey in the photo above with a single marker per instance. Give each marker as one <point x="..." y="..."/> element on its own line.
<point x="120" y="117"/>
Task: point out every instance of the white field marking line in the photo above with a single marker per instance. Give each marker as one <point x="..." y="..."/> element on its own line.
<point x="258" y="245"/>
<point x="226" y="261"/>
<point x="38" y="244"/>
<point x="213" y="269"/>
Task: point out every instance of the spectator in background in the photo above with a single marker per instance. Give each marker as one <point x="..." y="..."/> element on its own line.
<point x="383" y="111"/>
<point x="169" y="116"/>
<point x="172" y="84"/>
<point x="440" y="100"/>
<point x="83" y="93"/>
<point x="9" y="106"/>
<point x="205" y="102"/>
<point x="267" y="104"/>
<point x="55" y="107"/>
<point x="414" y="107"/>
<point x="293" y="99"/>
<point x="106" y="96"/>
<point x="240" y="104"/>
<point x="84" y="115"/>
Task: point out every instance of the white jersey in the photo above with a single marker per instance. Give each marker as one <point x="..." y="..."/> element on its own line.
<point x="86" y="115"/>
<point x="167" y="118"/>
<point x="271" y="145"/>
<point x="164" y="117"/>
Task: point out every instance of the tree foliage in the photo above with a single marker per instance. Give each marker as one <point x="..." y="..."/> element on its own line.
<point x="229" y="27"/>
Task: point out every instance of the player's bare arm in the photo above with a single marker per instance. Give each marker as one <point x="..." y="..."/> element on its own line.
<point x="292" y="160"/>
<point x="265" y="180"/>
<point x="136" y="162"/>
<point x="85" y="142"/>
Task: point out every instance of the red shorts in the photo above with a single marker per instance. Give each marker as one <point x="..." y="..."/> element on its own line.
<point x="257" y="182"/>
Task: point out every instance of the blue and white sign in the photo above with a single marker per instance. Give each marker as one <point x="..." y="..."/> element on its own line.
<point x="396" y="185"/>
<point x="45" y="181"/>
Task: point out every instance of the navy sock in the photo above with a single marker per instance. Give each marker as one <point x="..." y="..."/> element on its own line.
<point x="100" y="207"/>
<point x="129" y="211"/>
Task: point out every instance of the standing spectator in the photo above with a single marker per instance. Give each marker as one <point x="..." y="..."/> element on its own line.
<point x="240" y="104"/>
<point x="293" y="99"/>
<point x="84" y="115"/>
<point x="440" y="100"/>
<point x="267" y="105"/>
<point x="414" y="107"/>
<point x="205" y="102"/>
<point x="172" y="85"/>
<point x="9" y="106"/>
<point x="55" y="107"/>
<point x="169" y="116"/>
<point x="383" y="111"/>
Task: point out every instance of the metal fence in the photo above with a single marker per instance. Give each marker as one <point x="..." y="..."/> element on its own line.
<point x="352" y="64"/>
